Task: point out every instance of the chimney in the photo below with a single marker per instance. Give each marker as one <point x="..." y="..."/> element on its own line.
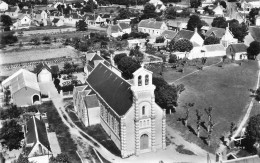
<point x="196" y="30"/>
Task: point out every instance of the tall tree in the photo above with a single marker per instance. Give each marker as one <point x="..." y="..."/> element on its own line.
<point x="7" y="22"/>
<point x="124" y="13"/>
<point x="198" y="122"/>
<point x="194" y="22"/>
<point x="253" y="12"/>
<point x="7" y="95"/>
<point x="238" y="30"/>
<point x="187" y="107"/>
<point x="118" y="57"/>
<point x="253" y="50"/>
<point x="81" y="25"/>
<point x="182" y="45"/>
<point x="170" y="13"/>
<point x="128" y="66"/>
<point x="219" y="22"/>
<point x="60" y="158"/>
<point x="211" y="40"/>
<point x="149" y="11"/>
<point x="12" y="134"/>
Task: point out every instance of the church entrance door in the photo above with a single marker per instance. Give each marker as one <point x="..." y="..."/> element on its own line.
<point x="144" y="141"/>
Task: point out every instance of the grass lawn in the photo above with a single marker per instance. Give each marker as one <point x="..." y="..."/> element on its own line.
<point x="225" y="89"/>
<point x="66" y="143"/>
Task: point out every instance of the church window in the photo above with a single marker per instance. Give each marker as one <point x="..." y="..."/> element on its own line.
<point x="143" y="110"/>
<point x="107" y="117"/>
<point x="146" y="79"/>
<point x="139" y="80"/>
<point x="113" y="123"/>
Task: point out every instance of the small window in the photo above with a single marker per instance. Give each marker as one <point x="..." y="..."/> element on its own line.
<point x="146" y="79"/>
<point x="143" y="110"/>
<point x="139" y="80"/>
<point x="24" y="19"/>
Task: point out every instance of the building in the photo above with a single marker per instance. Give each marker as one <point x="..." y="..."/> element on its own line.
<point x="12" y="12"/>
<point x="136" y="42"/>
<point x="23" y="21"/>
<point x="128" y="112"/>
<point x="152" y="27"/>
<point x="86" y="105"/>
<point x="118" y="29"/>
<point x="257" y="20"/>
<point x="43" y="72"/>
<point x="57" y="22"/>
<point x="25" y="90"/>
<point x="248" y="159"/>
<point x="192" y="36"/>
<point x="95" y="20"/>
<point x="218" y="11"/>
<point x="168" y="35"/>
<point x="214" y="50"/>
<point x="237" y="51"/>
<point x="255" y="33"/>
<point x="3" y="6"/>
<point x="37" y="147"/>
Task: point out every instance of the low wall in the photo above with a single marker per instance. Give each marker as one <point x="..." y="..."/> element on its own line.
<point x="48" y="31"/>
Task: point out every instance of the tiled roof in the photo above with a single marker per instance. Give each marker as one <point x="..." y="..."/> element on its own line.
<point x="217" y="32"/>
<point x="184" y="34"/>
<point x="114" y="90"/>
<point x="91" y="101"/>
<point x="55" y="20"/>
<point x="11" y="9"/>
<point x="169" y="34"/>
<point x="124" y="25"/>
<point x="42" y="134"/>
<point x="115" y="28"/>
<point x="214" y="47"/>
<point x="255" y="32"/>
<point x="240" y="47"/>
<point x="151" y="23"/>
<point x="41" y="66"/>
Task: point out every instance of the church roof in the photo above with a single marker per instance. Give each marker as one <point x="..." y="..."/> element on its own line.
<point x="111" y="88"/>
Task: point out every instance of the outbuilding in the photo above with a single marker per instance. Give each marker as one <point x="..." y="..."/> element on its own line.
<point x="237" y="51"/>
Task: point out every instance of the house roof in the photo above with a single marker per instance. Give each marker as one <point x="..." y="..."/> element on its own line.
<point x="217" y="32"/>
<point x="20" y="79"/>
<point x="255" y="32"/>
<point x="55" y="20"/>
<point x="41" y="66"/>
<point x="21" y="16"/>
<point x="111" y="88"/>
<point x="184" y="34"/>
<point x="36" y="131"/>
<point x="91" y="101"/>
<point x="124" y="25"/>
<point x="238" y="48"/>
<point x="218" y="10"/>
<point x="11" y="9"/>
<point x="169" y="34"/>
<point x="214" y="47"/>
<point x="150" y="23"/>
<point x="115" y="28"/>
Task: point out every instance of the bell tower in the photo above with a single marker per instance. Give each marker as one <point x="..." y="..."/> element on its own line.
<point x="144" y="102"/>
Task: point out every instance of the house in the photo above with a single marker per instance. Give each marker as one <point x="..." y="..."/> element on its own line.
<point x="168" y="35"/>
<point x="57" y="22"/>
<point x="136" y="42"/>
<point x="228" y="38"/>
<point x="23" y="21"/>
<point x="95" y="20"/>
<point x="12" y="12"/>
<point x="247" y="5"/>
<point x="257" y="20"/>
<point x="192" y="36"/>
<point x="37" y="147"/>
<point x="213" y="50"/>
<point x="215" y="32"/>
<point x="255" y="32"/>
<point x="128" y="112"/>
<point x="152" y="27"/>
<point x="160" y="8"/>
<point x="237" y="51"/>
<point x="43" y="72"/>
<point x="118" y="29"/>
<point x="3" y="6"/>
<point x="248" y="39"/>
<point x="86" y="105"/>
<point x="41" y="17"/>
<point x="218" y="11"/>
<point x="72" y="18"/>
<point x="178" y="24"/>
<point x="24" y="88"/>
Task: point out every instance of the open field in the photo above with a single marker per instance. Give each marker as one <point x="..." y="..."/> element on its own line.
<point x="225" y="89"/>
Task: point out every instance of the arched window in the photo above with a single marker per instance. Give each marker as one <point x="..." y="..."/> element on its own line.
<point x="139" y="80"/>
<point x="143" y="110"/>
<point x="146" y="79"/>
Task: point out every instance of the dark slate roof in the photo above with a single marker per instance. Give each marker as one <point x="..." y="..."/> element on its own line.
<point x="150" y="23"/>
<point x="106" y="16"/>
<point x="114" y="90"/>
<point x="55" y="69"/>
<point x="11" y="9"/>
<point x="95" y="58"/>
<point x="41" y="66"/>
<point x="124" y="25"/>
<point x="41" y="130"/>
<point x="255" y="32"/>
<point x="91" y="101"/>
<point x="217" y="32"/>
<point x="169" y="34"/>
<point x="240" y="47"/>
<point x="55" y="20"/>
<point x="184" y="34"/>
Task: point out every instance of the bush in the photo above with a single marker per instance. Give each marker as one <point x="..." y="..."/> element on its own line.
<point x="35" y="41"/>
<point x="173" y="58"/>
<point x="8" y="39"/>
<point x="46" y="39"/>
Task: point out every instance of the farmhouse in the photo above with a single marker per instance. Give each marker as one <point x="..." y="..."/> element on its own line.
<point x="128" y="112"/>
<point x="168" y="35"/>
<point x="44" y="72"/>
<point x="118" y="29"/>
<point x="23" y="21"/>
<point x="37" y="146"/>
<point x="193" y="36"/>
<point x="237" y="51"/>
<point x="25" y="90"/>
<point x="153" y="27"/>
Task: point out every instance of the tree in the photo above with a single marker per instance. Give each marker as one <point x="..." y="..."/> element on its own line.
<point x="22" y="159"/>
<point x="67" y="66"/>
<point x="182" y="45"/>
<point x="136" y="53"/>
<point x="160" y="39"/>
<point x="46" y="39"/>
<point x="12" y="134"/>
<point x="60" y="158"/>
<point x="198" y="122"/>
<point x="170" y="13"/>
<point x="187" y="107"/>
<point x="35" y="41"/>
<point x="253" y="130"/>
<point x="128" y="66"/>
<point x="219" y="22"/>
<point x="8" y="39"/>
<point x="118" y="57"/>
<point x="195" y="3"/>
<point x="124" y="13"/>
<point x="194" y="22"/>
<point x="232" y="129"/>
<point x="81" y="25"/>
<point x="7" y="95"/>
<point x="238" y="30"/>
<point x="253" y="50"/>
<point x="165" y="94"/>
<point x="11" y="113"/>
<point x="173" y="58"/>
<point x="211" y="40"/>
<point x="149" y="11"/>
<point x="253" y="12"/>
<point x="7" y="22"/>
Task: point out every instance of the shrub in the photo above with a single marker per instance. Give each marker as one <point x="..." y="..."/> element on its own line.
<point x="173" y="58"/>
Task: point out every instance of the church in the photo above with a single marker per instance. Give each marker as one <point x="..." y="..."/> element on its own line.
<point x="128" y="112"/>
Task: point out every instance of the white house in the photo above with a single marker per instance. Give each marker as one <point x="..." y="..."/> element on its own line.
<point x="95" y="20"/>
<point x="168" y="35"/>
<point x="257" y="20"/>
<point x="37" y="145"/>
<point x="3" y="6"/>
<point x="152" y="27"/>
<point x="213" y="50"/>
<point x="23" y="21"/>
<point x="192" y="36"/>
<point x="136" y="42"/>
<point x="218" y="11"/>
<point x="237" y="51"/>
<point x="43" y="72"/>
<point x="12" y="12"/>
<point x="41" y="16"/>
<point x="118" y="29"/>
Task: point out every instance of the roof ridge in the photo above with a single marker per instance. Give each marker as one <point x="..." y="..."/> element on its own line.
<point x="36" y="131"/>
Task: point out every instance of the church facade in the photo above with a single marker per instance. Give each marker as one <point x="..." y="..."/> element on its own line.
<point x="128" y="112"/>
